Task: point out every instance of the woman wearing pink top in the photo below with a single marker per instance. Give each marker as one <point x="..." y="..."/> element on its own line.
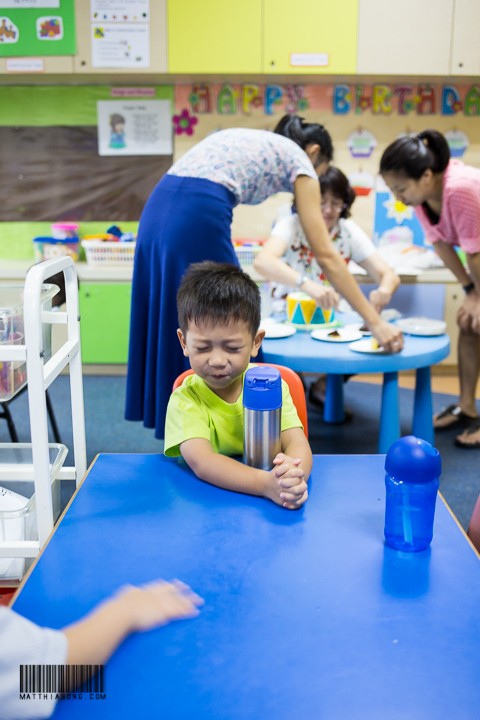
<point x="446" y="195"/>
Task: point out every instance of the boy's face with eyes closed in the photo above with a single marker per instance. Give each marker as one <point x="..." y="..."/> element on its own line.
<point x="220" y="354"/>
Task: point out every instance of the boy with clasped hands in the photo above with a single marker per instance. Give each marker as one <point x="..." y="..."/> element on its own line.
<point x="219" y="317"/>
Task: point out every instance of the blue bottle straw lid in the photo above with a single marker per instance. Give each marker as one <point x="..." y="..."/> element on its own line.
<point x="411" y="459"/>
<point x="262" y="388"/>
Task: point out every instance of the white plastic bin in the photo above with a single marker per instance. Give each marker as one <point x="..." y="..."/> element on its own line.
<point x="17" y="498"/>
<point x="13" y="374"/>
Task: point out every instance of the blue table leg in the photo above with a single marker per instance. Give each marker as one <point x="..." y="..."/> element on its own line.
<point x="334" y="411"/>
<point x="390" y="412"/>
<point x="422" y="407"/>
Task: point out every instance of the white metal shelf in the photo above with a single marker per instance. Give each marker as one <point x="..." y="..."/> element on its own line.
<point x="40" y="375"/>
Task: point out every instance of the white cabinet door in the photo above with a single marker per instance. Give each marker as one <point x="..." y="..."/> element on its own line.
<point x="466" y="31"/>
<point x="412" y="37"/>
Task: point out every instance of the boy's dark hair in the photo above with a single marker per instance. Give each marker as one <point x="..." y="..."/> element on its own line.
<point x="218" y="293"/>
<point x="411" y="156"/>
<point x="336" y="182"/>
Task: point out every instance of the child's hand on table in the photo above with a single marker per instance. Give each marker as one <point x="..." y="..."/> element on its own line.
<point x="287" y="486"/>
<point x="157" y="603"/>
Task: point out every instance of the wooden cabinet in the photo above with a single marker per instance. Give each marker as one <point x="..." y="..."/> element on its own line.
<point x="105" y="322"/>
<point x="214" y="36"/>
<point x="407" y="38"/>
<point x="157" y="38"/>
<point x="305" y="37"/>
<point x="262" y="36"/>
<point x="465" y="45"/>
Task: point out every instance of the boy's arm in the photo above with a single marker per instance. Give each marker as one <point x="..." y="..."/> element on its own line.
<point x="295" y="445"/>
<point x="230" y="474"/>
<point x="93" y="639"/>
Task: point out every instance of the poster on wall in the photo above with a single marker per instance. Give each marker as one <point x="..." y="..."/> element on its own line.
<point x="120" y="33"/>
<point x="394" y="222"/>
<point x="37" y="28"/>
<point x="134" y="128"/>
<point x="120" y="10"/>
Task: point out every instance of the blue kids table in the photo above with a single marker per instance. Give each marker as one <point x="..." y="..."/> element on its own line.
<point x="307" y="614"/>
<point x="303" y="354"/>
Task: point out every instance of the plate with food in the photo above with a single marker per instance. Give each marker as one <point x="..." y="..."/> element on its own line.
<point x="422" y="326"/>
<point x="367" y="345"/>
<point x="360" y="327"/>
<point x="339" y="334"/>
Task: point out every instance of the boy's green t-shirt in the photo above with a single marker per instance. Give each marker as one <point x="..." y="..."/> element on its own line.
<point x="195" y="411"/>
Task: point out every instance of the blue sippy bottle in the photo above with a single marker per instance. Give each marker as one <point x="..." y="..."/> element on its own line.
<point x="413" y="469"/>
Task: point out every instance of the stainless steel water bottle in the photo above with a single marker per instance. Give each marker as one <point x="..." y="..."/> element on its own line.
<point x="262" y="408"/>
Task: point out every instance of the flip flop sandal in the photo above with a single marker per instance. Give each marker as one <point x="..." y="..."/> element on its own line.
<point x="474" y="428"/>
<point x="459" y="418"/>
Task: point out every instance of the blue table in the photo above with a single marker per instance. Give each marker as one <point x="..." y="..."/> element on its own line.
<point x="308" y="615"/>
<point x="303" y="354"/>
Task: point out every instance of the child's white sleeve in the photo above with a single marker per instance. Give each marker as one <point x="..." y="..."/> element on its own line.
<point x="24" y="643"/>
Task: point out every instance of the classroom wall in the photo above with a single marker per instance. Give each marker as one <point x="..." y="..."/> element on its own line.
<point x="383" y="108"/>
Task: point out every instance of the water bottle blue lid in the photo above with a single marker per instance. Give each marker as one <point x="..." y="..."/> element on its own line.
<point x="262" y="388"/>
<point x="411" y="459"/>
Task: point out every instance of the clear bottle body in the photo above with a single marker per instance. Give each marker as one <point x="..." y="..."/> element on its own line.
<point x="409" y="513"/>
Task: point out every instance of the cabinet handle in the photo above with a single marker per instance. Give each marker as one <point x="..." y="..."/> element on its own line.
<point x="460" y="64"/>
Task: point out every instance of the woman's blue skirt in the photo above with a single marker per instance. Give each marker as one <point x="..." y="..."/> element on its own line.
<point x="185" y="220"/>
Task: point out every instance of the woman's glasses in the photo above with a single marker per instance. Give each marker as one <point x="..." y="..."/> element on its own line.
<point x="336" y="205"/>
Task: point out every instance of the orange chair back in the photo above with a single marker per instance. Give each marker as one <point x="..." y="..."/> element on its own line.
<point x="291" y="378"/>
<point x="473" y="531"/>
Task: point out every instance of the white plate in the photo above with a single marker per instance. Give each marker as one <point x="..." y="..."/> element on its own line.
<point x="341" y="335"/>
<point x="365" y="346"/>
<point x="278" y="330"/>
<point x="358" y="326"/>
<point x="421" y="326"/>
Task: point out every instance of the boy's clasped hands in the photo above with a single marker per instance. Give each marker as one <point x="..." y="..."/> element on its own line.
<point x="287" y="485"/>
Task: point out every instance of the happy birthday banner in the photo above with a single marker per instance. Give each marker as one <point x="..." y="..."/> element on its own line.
<point x="341" y="99"/>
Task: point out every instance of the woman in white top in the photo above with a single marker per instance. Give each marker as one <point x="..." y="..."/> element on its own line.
<point x="287" y="258"/>
<point x="187" y="219"/>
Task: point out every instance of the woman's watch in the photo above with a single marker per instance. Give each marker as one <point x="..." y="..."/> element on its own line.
<point x="300" y="280"/>
<point x="467" y="289"/>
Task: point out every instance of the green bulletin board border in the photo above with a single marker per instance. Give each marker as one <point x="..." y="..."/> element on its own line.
<point x="28" y="44"/>
<point x="56" y="105"/>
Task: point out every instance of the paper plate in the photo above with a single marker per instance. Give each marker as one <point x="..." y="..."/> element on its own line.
<point x="425" y="327"/>
<point x="278" y="330"/>
<point x="344" y="334"/>
<point x="365" y="346"/>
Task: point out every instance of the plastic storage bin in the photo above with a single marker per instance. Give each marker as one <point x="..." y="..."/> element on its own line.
<point x="13" y="374"/>
<point x="17" y="498"/>
<point x="105" y="252"/>
<point x="46" y="248"/>
<point x="246" y="252"/>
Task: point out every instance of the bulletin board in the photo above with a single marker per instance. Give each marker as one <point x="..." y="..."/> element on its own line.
<point x="51" y="169"/>
<point x="37" y="28"/>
